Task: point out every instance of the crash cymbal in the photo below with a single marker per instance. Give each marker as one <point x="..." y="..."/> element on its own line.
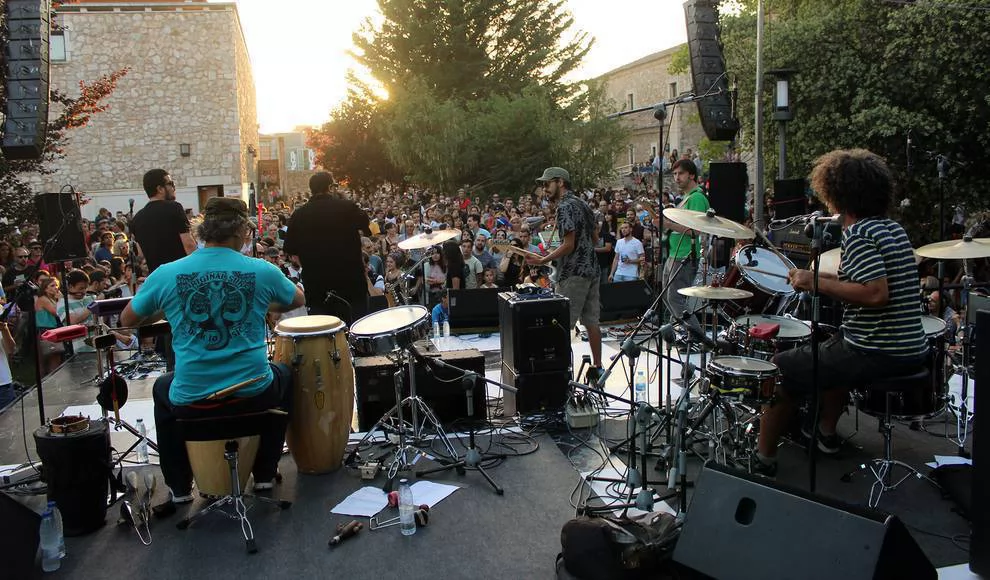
<point x="964" y="249"/>
<point x="715" y="293"/>
<point x="427" y="239"/>
<point x="829" y="261"/>
<point x="706" y="223"/>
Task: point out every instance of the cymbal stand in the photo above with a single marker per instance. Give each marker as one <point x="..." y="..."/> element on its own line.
<point x="961" y="411"/>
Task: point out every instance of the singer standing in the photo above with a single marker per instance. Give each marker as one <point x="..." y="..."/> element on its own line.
<point x="881" y="333"/>
<point x="578" y="274"/>
<point x="681" y="267"/>
<point x="326" y="236"/>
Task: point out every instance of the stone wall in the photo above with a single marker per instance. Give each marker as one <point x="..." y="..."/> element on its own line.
<point x="189" y="82"/>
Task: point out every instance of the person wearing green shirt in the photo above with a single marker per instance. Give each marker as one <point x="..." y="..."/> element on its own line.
<point x="681" y="267"/>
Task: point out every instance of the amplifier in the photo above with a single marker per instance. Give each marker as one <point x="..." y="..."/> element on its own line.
<point x="796" y="245"/>
<point x="535" y="333"/>
<point x="476" y="308"/>
<point x="544" y="391"/>
<point x="375" y="389"/>
<point x="625" y="300"/>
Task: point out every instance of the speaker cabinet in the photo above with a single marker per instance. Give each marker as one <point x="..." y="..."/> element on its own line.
<point x="20" y="539"/>
<point x="727" y="187"/>
<point x="718" y="118"/>
<point x="475" y="309"/>
<point x="766" y="531"/>
<point x="535" y="333"/>
<point x="60" y="227"/>
<point x="438" y="387"/>
<point x="545" y="391"/>
<point x="789" y="199"/>
<point x="979" y="547"/>
<point x="25" y="126"/>
<point x="624" y="300"/>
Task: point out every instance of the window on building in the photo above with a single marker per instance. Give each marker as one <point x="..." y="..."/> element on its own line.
<point x="56" y="46"/>
<point x="632" y="154"/>
<point x="653" y="151"/>
<point x="673" y="90"/>
<point x="630" y="103"/>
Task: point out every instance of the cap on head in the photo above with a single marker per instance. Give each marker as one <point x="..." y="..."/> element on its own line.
<point x="554" y="173"/>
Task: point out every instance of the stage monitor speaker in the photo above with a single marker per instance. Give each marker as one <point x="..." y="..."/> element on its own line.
<point x="624" y="300"/>
<point x="727" y="187"/>
<point x="21" y="528"/>
<point x="26" y="85"/>
<point x="789" y="199"/>
<point x="767" y="531"/>
<point x="60" y="227"/>
<point x="979" y="546"/>
<point x="538" y="392"/>
<point x="535" y="332"/>
<point x="475" y="309"/>
<point x="440" y="388"/>
<point x="718" y="116"/>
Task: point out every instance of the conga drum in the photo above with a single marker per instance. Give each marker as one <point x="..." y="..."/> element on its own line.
<point x="315" y="348"/>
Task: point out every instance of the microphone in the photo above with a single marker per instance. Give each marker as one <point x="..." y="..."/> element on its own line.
<point x="816" y="218"/>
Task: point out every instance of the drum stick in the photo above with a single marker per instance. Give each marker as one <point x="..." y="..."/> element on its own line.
<point x="765" y="272"/>
<point x="227" y="391"/>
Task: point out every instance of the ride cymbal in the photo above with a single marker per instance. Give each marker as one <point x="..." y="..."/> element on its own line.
<point x="427" y="239"/>
<point x="715" y="293"/>
<point x="708" y="223"/>
<point x="964" y="249"/>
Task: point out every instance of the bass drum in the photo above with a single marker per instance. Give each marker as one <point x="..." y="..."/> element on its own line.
<point x="761" y="272"/>
<point x="315" y="348"/>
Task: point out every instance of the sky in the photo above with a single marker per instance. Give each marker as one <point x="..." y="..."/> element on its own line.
<point x="299" y="48"/>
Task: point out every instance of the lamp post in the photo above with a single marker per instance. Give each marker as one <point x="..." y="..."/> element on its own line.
<point x="782" y="112"/>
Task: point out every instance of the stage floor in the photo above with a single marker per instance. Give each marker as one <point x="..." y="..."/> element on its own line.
<point x="473" y="533"/>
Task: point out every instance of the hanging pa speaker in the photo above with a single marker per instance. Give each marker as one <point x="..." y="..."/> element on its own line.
<point x="60" y="227"/>
<point x="727" y="186"/>
<point x="740" y="517"/>
<point x="718" y="117"/>
<point x="25" y="124"/>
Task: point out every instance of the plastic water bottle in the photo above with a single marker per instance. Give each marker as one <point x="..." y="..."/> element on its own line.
<point x="407" y="519"/>
<point x="142" y="448"/>
<point x="57" y="515"/>
<point x="639" y="386"/>
<point x="49" y="543"/>
<point x="436" y="330"/>
<point x="446" y="328"/>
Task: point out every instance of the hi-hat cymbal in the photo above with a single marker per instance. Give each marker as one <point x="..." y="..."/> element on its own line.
<point x="716" y="293"/>
<point x="427" y="239"/>
<point x="964" y="249"/>
<point x="700" y="221"/>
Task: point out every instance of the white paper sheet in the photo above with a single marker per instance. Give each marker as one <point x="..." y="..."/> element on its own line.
<point x="368" y="501"/>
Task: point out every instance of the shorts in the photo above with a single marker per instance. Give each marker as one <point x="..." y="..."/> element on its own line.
<point x="840" y="365"/>
<point x="585" y="299"/>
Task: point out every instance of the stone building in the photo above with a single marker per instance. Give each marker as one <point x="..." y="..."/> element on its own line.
<point x="296" y="163"/>
<point x="187" y="104"/>
<point x="645" y="82"/>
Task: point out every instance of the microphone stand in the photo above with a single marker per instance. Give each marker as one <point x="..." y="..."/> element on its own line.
<point x="816" y="247"/>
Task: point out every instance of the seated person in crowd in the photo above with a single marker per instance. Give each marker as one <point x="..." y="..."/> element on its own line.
<point x="215" y="300"/>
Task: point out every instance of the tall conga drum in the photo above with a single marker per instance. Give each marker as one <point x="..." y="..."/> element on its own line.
<point x="315" y="348"/>
<point x="75" y="462"/>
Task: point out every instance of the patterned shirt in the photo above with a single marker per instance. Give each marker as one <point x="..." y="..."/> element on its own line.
<point x="575" y="215"/>
<point x="875" y="248"/>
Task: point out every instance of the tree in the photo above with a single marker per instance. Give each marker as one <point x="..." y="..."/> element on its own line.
<point x="868" y="72"/>
<point x="16" y="196"/>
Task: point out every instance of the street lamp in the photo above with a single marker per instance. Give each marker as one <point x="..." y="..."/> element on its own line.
<point x="782" y="112"/>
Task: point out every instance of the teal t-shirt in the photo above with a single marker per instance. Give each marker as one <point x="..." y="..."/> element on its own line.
<point x="215" y="299"/>
<point x="680" y="244"/>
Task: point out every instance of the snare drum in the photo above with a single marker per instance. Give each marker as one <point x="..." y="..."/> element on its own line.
<point x="749" y="379"/>
<point x="791" y="334"/>
<point x="767" y="285"/>
<point x="930" y="399"/>
<point x="315" y="348"/>
<point x="389" y="330"/>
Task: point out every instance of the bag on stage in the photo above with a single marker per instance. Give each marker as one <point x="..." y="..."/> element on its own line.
<point x="605" y="548"/>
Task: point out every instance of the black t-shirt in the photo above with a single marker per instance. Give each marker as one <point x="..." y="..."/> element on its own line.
<point x="13" y="276"/>
<point x="324" y="233"/>
<point x="605" y="258"/>
<point x="157" y="228"/>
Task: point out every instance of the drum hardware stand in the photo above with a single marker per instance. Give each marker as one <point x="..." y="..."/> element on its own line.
<point x="816" y="251"/>
<point x="641" y="415"/>
<point x="473" y="458"/>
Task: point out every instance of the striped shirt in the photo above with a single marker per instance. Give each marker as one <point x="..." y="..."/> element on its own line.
<point x="875" y="248"/>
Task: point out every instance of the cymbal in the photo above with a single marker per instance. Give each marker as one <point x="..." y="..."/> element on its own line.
<point x="829" y="261"/>
<point x="715" y="293"/>
<point x="700" y="221"/>
<point x="964" y="249"/>
<point x="427" y="239"/>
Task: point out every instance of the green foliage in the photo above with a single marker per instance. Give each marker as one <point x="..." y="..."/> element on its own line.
<point x="868" y="72"/>
<point x="680" y="61"/>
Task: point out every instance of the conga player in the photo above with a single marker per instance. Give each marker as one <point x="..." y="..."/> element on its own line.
<point x="215" y="300"/>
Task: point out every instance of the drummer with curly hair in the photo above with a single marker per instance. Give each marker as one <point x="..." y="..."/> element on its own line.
<point x="881" y="333"/>
<point x="215" y="300"/>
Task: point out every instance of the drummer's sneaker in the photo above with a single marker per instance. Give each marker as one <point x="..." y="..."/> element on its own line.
<point x="827" y="444"/>
<point x="765" y="468"/>
<point x="264" y="485"/>
<point x="186" y="498"/>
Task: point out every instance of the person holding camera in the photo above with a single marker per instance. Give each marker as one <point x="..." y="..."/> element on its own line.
<point x="629" y="256"/>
